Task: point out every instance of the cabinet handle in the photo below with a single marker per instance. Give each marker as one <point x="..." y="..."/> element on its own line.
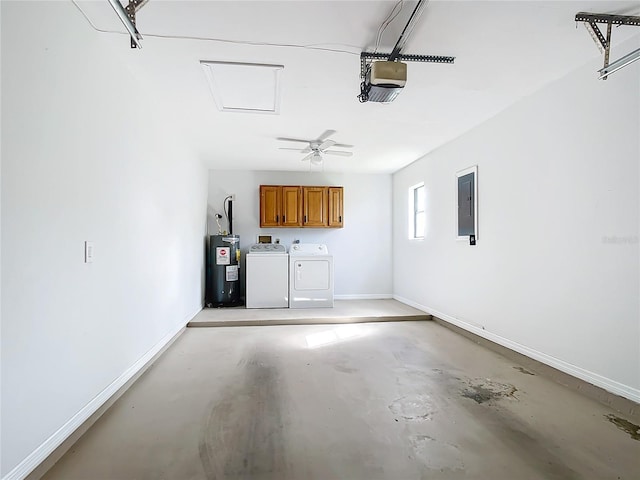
<point x="305" y="218"/>
<point x="340" y="218"/>
<point x="284" y="218"/>
<point x="277" y="218"/>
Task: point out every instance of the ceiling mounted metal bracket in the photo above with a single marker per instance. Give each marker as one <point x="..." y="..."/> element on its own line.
<point x="395" y="55"/>
<point x="386" y="92"/>
<point x="132" y="9"/>
<point x="606" y="18"/>
<point x="597" y="36"/>
<point x="366" y="57"/>
<point x="603" y="43"/>
<point x="128" y="18"/>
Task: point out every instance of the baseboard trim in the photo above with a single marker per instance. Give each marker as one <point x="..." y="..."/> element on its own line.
<point x="49" y="446"/>
<point x="364" y="296"/>
<point x="605" y="383"/>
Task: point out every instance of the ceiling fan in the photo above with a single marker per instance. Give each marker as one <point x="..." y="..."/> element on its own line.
<point x="318" y="147"/>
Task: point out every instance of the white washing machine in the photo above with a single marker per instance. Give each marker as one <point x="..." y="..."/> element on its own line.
<point x="310" y="276"/>
<point x="267" y="276"/>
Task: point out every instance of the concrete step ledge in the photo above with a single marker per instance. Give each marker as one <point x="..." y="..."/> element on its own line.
<point x="306" y="321"/>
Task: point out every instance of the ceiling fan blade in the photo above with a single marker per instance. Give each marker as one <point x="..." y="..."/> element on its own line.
<point x="285" y="139"/>
<point x="308" y="157"/>
<point x="304" y="150"/>
<point x="326" y="144"/>
<point x="343" y="145"/>
<point x="325" y="135"/>
<point x="338" y="152"/>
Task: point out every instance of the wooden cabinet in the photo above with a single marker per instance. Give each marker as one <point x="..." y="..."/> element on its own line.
<point x="315" y="205"/>
<point x="335" y="207"/>
<point x="270" y="200"/>
<point x="291" y="206"/>
<point x="301" y="206"/>
<point x="280" y="206"/>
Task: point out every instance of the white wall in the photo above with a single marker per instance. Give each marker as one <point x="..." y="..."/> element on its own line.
<point x="361" y="250"/>
<point x="555" y="271"/>
<point x="85" y="156"/>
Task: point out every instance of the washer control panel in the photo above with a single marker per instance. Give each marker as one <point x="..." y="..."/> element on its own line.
<point x="267" y="248"/>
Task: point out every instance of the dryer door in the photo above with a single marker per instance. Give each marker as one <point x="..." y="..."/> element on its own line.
<point x="312" y="274"/>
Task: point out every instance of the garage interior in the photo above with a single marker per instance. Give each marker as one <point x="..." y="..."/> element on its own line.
<point x="515" y="354"/>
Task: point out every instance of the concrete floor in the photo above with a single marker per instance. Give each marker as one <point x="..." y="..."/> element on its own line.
<point x="405" y="400"/>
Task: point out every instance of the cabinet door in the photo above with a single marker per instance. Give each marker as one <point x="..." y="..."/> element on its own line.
<point x="335" y="207"/>
<point x="270" y="205"/>
<point x="291" y="206"/>
<point x="315" y="206"/>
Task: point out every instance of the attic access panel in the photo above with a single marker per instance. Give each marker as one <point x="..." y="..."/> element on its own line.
<point x="244" y="87"/>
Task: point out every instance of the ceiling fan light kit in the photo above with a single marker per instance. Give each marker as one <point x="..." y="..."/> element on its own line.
<point x="317" y="147"/>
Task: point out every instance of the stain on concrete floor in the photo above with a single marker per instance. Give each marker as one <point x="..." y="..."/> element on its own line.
<point x="344" y="369"/>
<point x="416" y="407"/>
<point x="486" y="390"/>
<point x="522" y="370"/>
<point x="533" y="449"/>
<point x="436" y="455"/>
<point x="243" y="434"/>
<point x="632" y="429"/>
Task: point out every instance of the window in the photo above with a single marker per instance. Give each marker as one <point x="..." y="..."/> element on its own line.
<point x="417" y="216"/>
<point x="467" y="203"/>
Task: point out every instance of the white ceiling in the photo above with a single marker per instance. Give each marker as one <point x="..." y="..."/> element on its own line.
<point x="505" y="50"/>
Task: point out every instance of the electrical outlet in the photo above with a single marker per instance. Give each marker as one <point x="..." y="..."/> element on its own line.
<point x="88" y="252"/>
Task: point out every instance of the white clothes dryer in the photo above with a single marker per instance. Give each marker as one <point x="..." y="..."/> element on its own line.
<point x="267" y="276"/>
<point x="310" y="276"/>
